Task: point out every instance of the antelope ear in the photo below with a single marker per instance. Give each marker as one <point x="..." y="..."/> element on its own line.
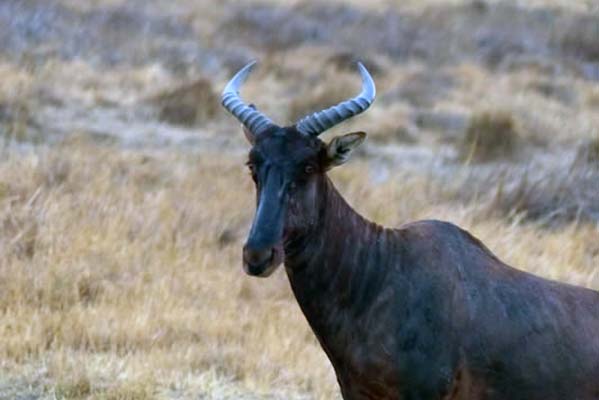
<point x="341" y="147"/>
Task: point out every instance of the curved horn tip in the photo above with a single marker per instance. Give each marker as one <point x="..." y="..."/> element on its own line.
<point x="239" y="78"/>
<point x="367" y="81"/>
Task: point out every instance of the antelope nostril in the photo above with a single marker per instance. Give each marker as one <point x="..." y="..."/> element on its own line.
<point x="257" y="257"/>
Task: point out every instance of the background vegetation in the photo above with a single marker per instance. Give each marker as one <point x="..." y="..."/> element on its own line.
<point x="124" y="200"/>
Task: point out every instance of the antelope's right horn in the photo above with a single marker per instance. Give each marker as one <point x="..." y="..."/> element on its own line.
<point x="319" y="122"/>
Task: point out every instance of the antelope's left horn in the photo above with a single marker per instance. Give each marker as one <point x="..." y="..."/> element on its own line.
<point x="319" y="122"/>
<point x="254" y="120"/>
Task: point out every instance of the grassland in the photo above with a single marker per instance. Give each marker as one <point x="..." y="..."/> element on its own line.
<point x="121" y="226"/>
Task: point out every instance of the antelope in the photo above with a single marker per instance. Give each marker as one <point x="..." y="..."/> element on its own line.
<point x="424" y="311"/>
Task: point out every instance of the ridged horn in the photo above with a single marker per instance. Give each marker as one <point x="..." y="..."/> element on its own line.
<point x="254" y="120"/>
<point x="319" y="122"/>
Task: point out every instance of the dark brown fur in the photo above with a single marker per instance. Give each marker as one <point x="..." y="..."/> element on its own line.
<point x="427" y="312"/>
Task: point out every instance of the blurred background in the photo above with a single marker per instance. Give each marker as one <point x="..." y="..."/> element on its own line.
<point x="124" y="200"/>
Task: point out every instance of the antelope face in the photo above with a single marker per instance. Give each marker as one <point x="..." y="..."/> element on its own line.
<point x="288" y="166"/>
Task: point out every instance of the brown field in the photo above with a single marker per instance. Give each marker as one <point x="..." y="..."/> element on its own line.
<point x="124" y="200"/>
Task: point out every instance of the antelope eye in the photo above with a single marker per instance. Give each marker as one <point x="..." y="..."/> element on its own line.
<point x="251" y="167"/>
<point x="309" y="169"/>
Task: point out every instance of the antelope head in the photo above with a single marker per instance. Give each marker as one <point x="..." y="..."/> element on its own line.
<point x="288" y="166"/>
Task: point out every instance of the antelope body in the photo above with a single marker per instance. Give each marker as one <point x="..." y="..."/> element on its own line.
<point x="424" y="311"/>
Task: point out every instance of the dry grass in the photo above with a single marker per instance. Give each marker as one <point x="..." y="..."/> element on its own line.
<point x="190" y="104"/>
<point x="489" y="136"/>
<point x="588" y="153"/>
<point x="120" y="272"/>
<point x="581" y="38"/>
<point x="120" y="277"/>
<point x="17" y="107"/>
<point x="118" y="266"/>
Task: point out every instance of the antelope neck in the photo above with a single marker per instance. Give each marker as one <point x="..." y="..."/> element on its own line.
<point x="340" y="264"/>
